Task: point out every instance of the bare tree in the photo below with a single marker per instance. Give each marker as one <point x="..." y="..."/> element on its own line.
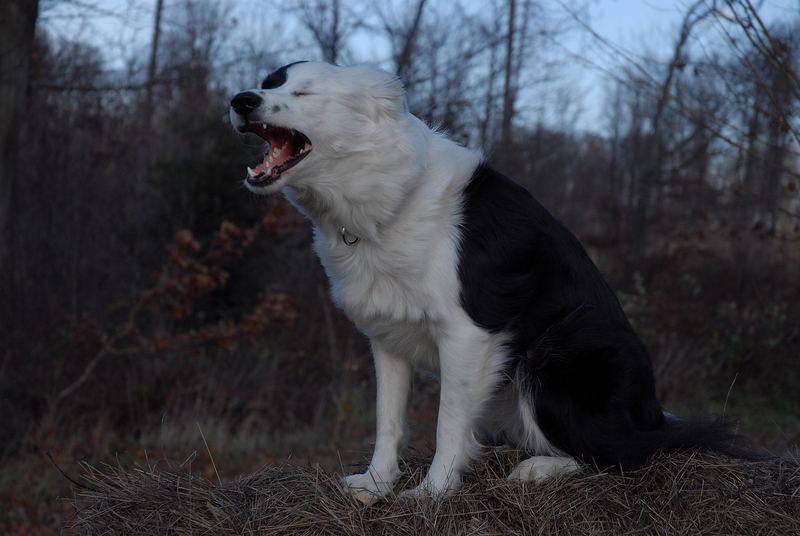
<point x="403" y="35"/>
<point x="508" y="91"/>
<point x="776" y="50"/>
<point x="152" y="64"/>
<point x="494" y="28"/>
<point x="407" y="43"/>
<point x="652" y="178"/>
<point x="326" y="22"/>
<point x="766" y="60"/>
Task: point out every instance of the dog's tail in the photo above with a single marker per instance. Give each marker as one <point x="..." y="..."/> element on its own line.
<point x="635" y="448"/>
<point x="612" y="417"/>
<point x="717" y="435"/>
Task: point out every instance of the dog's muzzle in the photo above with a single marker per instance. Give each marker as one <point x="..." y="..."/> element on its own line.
<point x="286" y="147"/>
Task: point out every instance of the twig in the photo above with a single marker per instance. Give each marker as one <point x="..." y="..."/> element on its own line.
<point x="65" y="475"/>
<point x="730" y="388"/>
<point x="108" y="348"/>
<point x="209" y="454"/>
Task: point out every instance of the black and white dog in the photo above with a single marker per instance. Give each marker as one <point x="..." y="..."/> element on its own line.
<point x="439" y="259"/>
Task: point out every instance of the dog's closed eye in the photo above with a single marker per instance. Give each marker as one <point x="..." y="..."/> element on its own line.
<point x="301" y="93"/>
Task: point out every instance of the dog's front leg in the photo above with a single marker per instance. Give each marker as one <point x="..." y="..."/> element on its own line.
<point x="393" y="379"/>
<point x="469" y="366"/>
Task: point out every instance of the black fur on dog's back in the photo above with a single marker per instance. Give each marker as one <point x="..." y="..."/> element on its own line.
<point x="574" y="353"/>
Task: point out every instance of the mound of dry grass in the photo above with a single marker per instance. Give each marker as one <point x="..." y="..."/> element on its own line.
<point x="675" y="494"/>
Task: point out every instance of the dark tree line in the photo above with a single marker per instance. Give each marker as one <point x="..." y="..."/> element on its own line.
<point x="687" y="196"/>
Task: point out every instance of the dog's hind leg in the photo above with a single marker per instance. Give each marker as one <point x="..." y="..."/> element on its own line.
<point x="513" y="412"/>
<point x="540" y="468"/>
<point x="470" y="363"/>
<point x="393" y="378"/>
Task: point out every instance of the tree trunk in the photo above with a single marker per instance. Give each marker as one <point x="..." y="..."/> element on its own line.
<point x="651" y="183"/>
<point x="752" y="165"/>
<point x="17" y="27"/>
<point x="508" y="92"/>
<point x="780" y="104"/>
<point x="332" y="54"/>
<point x="153" y="64"/>
<point x="405" y="56"/>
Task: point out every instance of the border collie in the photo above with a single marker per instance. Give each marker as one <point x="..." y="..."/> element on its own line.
<point x="441" y="260"/>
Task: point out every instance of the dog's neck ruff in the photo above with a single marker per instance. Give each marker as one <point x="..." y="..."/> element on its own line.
<point x="348" y="238"/>
<point x="373" y="197"/>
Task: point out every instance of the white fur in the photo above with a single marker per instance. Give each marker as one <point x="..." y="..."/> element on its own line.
<point x="395" y="184"/>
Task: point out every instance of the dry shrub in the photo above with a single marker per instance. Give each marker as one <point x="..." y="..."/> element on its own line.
<point x="675" y="494"/>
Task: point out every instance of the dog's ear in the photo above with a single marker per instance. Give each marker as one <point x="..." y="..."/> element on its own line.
<point x="377" y="94"/>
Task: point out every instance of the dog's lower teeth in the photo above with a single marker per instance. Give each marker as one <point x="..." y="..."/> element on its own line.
<point x="283" y="149"/>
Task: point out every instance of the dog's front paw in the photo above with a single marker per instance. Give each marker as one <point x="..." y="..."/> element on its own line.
<point x="419" y="492"/>
<point x="367" y="488"/>
<point x="431" y="489"/>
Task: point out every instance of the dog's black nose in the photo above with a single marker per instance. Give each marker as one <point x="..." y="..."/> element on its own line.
<point x="245" y="102"/>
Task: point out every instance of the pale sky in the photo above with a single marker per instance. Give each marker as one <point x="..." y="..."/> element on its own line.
<point x="636" y="25"/>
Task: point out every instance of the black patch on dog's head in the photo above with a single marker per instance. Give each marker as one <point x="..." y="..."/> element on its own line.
<point x="278" y="77"/>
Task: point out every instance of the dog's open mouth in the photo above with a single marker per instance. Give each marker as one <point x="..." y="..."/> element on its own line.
<point x="286" y="147"/>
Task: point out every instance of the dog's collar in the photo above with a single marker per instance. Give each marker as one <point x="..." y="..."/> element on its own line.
<point x="348" y="238"/>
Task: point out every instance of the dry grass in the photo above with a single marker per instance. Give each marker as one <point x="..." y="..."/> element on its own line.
<point x="675" y="494"/>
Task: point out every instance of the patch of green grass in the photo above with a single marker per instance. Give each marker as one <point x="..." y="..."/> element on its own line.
<point x="772" y="421"/>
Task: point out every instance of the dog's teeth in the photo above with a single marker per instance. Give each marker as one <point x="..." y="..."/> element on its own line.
<point x="264" y="125"/>
<point x="276" y="151"/>
<point x="251" y="172"/>
<point x="269" y="158"/>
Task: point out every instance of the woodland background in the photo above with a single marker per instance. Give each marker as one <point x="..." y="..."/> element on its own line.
<point x="150" y="307"/>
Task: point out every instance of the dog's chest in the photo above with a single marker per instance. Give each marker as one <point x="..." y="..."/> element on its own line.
<point x="375" y="280"/>
<point x="392" y="289"/>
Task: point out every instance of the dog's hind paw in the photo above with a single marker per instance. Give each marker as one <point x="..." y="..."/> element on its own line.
<point x="539" y="469"/>
<point x="367" y="488"/>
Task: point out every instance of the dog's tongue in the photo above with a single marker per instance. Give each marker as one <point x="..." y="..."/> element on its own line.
<point x="278" y="152"/>
<point x="280" y="146"/>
